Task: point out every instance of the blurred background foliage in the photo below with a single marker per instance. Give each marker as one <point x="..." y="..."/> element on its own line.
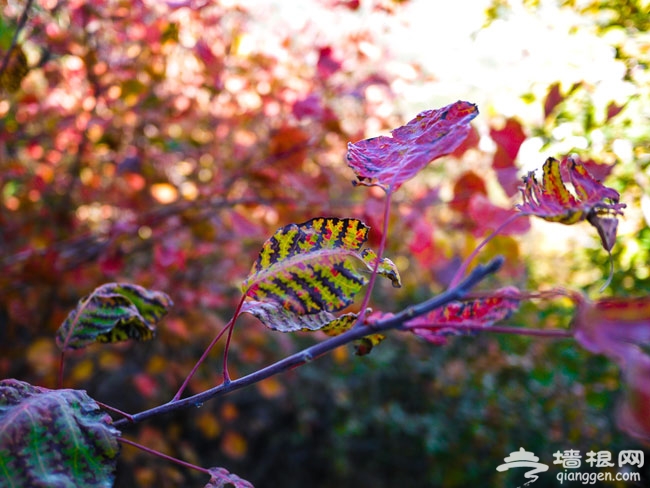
<point x="160" y="143"/>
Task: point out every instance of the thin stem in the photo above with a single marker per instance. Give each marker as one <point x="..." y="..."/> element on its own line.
<point x="226" y="375"/>
<point x="463" y="268"/>
<point x="549" y="333"/>
<point x="115" y="411"/>
<point x="164" y="456"/>
<point x="380" y="254"/>
<point x="394" y="322"/>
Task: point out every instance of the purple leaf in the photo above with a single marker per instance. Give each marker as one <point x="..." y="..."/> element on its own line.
<point x="390" y="161"/>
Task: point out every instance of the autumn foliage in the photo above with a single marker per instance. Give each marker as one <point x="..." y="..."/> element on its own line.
<point x="179" y="207"/>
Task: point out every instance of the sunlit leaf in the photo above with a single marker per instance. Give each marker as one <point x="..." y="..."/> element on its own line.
<point x="552" y="200"/>
<point x="449" y="319"/>
<point x="314" y="267"/>
<point x="54" y="438"/>
<point x="222" y="478"/>
<point x="113" y="312"/>
<point x="390" y="161"/>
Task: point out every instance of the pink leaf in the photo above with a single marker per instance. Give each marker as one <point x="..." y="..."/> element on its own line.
<point x="489" y="217"/>
<point x="506" y="170"/>
<point x="620" y="329"/>
<point x="327" y="65"/>
<point x="478" y="312"/>
<point x="390" y="161"/>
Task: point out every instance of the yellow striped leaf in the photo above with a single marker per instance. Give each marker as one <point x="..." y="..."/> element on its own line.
<point x="311" y="268"/>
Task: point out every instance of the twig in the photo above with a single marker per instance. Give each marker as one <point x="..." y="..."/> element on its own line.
<point x="164" y="456"/>
<point x="394" y="322"/>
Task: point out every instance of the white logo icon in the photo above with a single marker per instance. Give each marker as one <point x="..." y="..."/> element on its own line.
<point x="524" y="459"/>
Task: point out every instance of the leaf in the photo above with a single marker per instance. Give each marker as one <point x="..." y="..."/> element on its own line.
<point x="553" y="99"/>
<point x="314" y="267"/>
<point x="552" y="200"/>
<point x="113" y="312"/>
<point x="276" y="317"/>
<point x="488" y="217"/>
<point x="619" y="328"/>
<point x="54" y="438"/>
<point x="510" y="137"/>
<point x="390" y="161"/>
<point x="344" y="323"/>
<point x="222" y="478"/>
<point x="450" y="319"/>
<point x="17" y="69"/>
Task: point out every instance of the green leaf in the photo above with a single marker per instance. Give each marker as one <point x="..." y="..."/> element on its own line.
<point x="54" y="438"/>
<point x="113" y="312"/>
<point x="314" y="267"/>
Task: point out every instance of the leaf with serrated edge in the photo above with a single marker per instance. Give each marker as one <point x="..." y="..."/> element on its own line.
<point x="111" y="313"/>
<point x="54" y="438"/>
<point x="314" y="267"/>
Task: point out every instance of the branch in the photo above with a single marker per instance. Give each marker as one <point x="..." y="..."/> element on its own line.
<point x="298" y="359"/>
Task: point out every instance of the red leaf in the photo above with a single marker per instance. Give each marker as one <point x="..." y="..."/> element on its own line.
<point x="470" y="142"/>
<point x="634" y="410"/>
<point x="506" y="171"/>
<point x="611" y="325"/>
<point x="390" y="161"/>
<point x="327" y="65"/>
<point x="620" y="329"/>
<point x="510" y="138"/>
<point x="450" y="319"/>
<point x="466" y="186"/>
<point x="613" y="110"/>
<point x="489" y="217"/>
<point x="553" y="99"/>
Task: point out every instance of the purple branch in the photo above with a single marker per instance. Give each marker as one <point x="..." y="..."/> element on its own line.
<point x="395" y="322"/>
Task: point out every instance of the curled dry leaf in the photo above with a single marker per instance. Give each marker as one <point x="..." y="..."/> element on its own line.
<point x="551" y="200"/>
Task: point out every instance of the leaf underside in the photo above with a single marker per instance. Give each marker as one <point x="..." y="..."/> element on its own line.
<point x="304" y="272"/>
<point x="54" y="438"/>
<point x="113" y="312"/>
